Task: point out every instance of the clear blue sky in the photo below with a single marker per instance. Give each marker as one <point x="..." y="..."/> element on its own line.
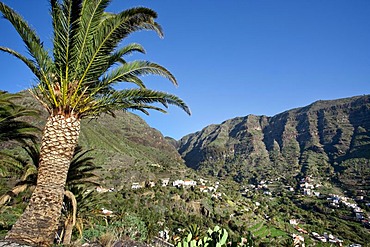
<point x="234" y="58"/>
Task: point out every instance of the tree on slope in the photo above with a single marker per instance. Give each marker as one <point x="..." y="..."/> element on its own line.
<point x="79" y="81"/>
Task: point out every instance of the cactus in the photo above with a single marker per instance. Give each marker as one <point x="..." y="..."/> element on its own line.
<point x="188" y="241"/>
<point x="216" y="237"/>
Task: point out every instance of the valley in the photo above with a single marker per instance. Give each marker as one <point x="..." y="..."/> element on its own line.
<point x="302" y="174"/>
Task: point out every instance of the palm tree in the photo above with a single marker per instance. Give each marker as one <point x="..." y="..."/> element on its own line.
<point x="79" y="81"/>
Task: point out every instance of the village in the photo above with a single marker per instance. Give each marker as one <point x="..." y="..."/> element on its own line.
<point x="307" y="188"/>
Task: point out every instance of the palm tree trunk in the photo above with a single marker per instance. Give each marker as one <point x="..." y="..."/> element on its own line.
<point x="39" y="223"/>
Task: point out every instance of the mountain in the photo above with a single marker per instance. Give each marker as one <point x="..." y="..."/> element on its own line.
<point x="329" y="139"/>
<point x="125" y="146"/>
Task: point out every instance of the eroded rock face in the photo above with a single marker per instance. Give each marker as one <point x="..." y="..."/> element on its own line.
<point x="318" y="139"/>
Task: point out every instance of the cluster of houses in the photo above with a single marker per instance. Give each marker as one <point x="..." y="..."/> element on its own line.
<point x="179" y="183"/>
<point x="307" y="188"/>
<point x="262" y="185"/>
<point x="322" y="238"/>
<point x="327" y="238"/>
<point x="165" y="182"/>
<point x="336" y="200"/>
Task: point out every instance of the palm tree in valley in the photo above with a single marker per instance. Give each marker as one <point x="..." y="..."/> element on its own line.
<point x="79" y="80"/>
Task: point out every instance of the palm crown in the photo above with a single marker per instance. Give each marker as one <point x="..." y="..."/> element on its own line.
<point x="87" y="60"/>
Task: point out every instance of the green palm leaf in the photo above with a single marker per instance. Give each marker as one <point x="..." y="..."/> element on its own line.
<point x="136" y="69"/>
<point x="11" y="127"/>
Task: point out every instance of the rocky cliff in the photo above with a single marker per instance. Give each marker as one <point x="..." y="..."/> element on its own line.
<point x="327" y="139"/>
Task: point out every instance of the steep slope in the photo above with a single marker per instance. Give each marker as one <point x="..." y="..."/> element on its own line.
<point x="324" y="139"/>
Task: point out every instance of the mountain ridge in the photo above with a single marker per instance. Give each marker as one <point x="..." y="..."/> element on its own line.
<point x="317" y="139"/>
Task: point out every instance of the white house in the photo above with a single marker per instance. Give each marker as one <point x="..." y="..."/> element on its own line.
<point x="293" y="221"/>
<point x="106" y="212"/>
<point x="178" y="183"/>
<point x="135" y="186"/>
<point x="165" y="182"/>
<point x="190" y="183"/>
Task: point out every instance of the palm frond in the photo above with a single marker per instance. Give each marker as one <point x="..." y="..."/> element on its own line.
<point x="11" y="127"/>
<point x="109" y="34"/>
<point x="33" y="152"/>
<point x="124" y="51"/>
<point x="135" y="99"/>
<point x="81" y="170"/>
<point x="9" y="163"/>
<point x="91" y="16"/>
<point x="137" y="69"/>
<point x="65" y="21"/>
<point x="151" y="96"/>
